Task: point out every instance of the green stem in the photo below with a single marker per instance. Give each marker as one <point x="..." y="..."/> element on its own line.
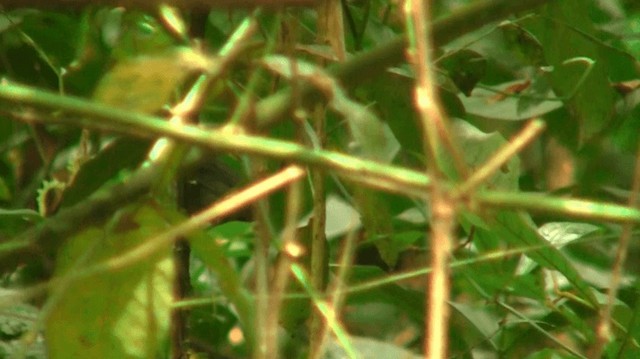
<point x="393" y="178"/>
<point x="577" y="208"/>
<point x="387" y="177"/>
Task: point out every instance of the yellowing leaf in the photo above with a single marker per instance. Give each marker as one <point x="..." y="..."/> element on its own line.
<point x="146" y="83"/>
<point x="120" y="314"/>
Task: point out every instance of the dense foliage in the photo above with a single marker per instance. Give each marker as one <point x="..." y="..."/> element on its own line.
<point x="268" y="182"/>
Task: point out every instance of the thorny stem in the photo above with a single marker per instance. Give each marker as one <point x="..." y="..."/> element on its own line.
<point x="261" y="260"/>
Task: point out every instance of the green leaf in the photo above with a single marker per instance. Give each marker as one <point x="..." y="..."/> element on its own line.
<point x="13" y="221"/>
<point x="559" y="234"/>
<point x="120" y="314"/>
<point x="488" y="103"/>
<point x="121" y="154"/>
<point x="341" y="217"/>
<point x="523" y="42"/>
<point x="477" y="147"/>
<point x="372" y="137"/>
<point x="54" y="47"/>
<point x="377" y="220"/>
<point x="517" y="229"/>
<point x="562" y="233"/>
<point x="391" y="96"/>
<point x="133" y="33"/>
<point x="590" y="99"/>
<point x="465" y="68"/>
<point x="412" y="302"/>
<point x="478" y="319"/>
<point x="5" y="193"/>
<point x="549" y="354"/>
<point x="213" y="256"/>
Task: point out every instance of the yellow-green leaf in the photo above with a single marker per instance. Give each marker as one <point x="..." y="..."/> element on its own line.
<point x="147" y="83"/>
<point x="123" y="313"/>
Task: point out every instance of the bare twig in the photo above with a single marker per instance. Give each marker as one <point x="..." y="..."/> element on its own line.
<point x="290" y="250"/>
<point x="443" y="205"/>
<point x="338" y="290"/>
<point x="331" y="31"/>
<point x="603" y="330"/>
<point x="504" y="154"/>
<point x="319" y="264"/>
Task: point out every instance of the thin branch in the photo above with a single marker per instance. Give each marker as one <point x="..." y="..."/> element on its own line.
<point x="291" y="249"/>
<point x="569" y="207"/>
<point x="339" y="289"/>
<point x="367" y="65"/>
<point x="603" y="329"/>
<point x="390" y="178"/>
<point x="443" y="205"/>
<point x="504" y="154"/>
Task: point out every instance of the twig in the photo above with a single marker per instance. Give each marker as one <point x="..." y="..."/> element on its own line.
<point x="388" y="177"/>
<point x="504" y="154"/>
<point x="319" y="252"/>
<point x="603" y="330"/>
<point x="339" y="289"/>
<point x="443" y="205"/>
<point x="290" y="250"/>
<point x="325" y="309"/>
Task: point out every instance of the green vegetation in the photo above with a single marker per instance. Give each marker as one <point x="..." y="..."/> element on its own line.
<point x="349" y="178"/>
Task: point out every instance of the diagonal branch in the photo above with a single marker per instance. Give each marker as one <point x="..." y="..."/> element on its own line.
<point x="368" y="64"/>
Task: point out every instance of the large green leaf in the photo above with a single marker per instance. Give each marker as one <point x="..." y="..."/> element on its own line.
<point x="572" y="56"/>
<point x="119" y="314"/>
<point x="517" y="229"/>
<point x="559" y="234"/>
